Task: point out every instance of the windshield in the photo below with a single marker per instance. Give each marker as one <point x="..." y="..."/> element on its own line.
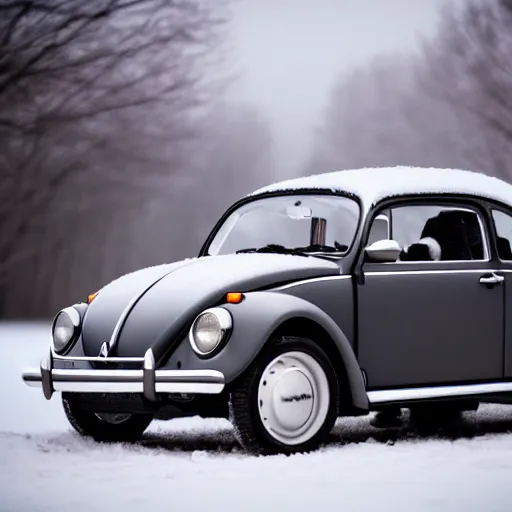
<point x="292" y="223"/>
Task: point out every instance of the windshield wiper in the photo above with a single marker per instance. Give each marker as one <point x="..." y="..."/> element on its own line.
<point x="310" y="250"/>
<point x="323" y="248"/>
<point x="275" y="248"/>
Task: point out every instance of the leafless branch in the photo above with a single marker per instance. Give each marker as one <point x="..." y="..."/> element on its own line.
<point x="94" y="105"/>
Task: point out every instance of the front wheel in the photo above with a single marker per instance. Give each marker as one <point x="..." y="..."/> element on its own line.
<point x="286" y="402"/>
<point x="106" y="427"/>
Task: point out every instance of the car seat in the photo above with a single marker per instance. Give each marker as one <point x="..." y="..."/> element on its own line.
<point x="426" y="249"/>
<point x="458" y="233"/>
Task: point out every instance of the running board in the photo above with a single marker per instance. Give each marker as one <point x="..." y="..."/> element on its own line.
<point x="388" y="396"/>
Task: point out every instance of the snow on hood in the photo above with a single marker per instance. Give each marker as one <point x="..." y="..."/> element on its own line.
<point x="372" y="185"/>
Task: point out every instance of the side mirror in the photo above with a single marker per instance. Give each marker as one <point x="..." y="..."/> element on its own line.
<point x="384" y="251"/>
<point x="380" y="229"/>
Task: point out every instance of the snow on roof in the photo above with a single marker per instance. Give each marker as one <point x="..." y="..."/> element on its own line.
<point x="374" y="184"/>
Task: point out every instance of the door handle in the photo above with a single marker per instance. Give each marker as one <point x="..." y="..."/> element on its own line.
<point x="491" y="279"/>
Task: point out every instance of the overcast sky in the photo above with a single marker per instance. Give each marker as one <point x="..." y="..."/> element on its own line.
<point x="290" y="52"/>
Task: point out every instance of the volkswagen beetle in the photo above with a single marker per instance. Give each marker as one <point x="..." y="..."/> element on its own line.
<point x="339" y="294"/>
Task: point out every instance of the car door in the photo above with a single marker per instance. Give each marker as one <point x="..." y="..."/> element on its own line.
<point x="424" y="323"/>
<point x="502" y="220"/>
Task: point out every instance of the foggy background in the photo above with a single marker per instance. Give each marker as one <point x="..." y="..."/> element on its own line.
<point x="128" y="126"/>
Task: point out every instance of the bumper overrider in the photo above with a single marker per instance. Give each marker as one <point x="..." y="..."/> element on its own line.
<point x="146" y="380"/>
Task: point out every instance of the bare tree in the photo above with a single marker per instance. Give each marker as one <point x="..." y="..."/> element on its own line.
<point x="379" y="116"/>
<point x="469" y="69"/>
<point x="90" y="93"/>
<point x="448" y="106"/>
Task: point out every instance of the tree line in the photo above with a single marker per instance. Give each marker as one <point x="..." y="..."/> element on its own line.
<point x="448" y="105"/>
<point x="111" y="112"/>
<point x="119" y="146"/>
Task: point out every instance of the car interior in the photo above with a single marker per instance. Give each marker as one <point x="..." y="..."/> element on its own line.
<point x="459" y="236"/>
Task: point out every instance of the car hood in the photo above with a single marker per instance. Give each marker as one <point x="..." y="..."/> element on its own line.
<point x="153" y="306"/>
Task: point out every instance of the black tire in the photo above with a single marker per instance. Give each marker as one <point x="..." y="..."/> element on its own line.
<point x="244" y="403"/>
<point x="88" y="424"/>
<point x="430" y="418"/>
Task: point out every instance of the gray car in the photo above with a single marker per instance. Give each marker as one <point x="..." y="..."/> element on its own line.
<point x="334" y="295"/>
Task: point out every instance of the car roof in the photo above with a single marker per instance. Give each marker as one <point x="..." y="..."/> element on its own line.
<point x="372" y="185"/>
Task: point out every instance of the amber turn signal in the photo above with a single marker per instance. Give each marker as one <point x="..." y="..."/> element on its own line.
<point x="234" y="297"/>
<point x="91" y="297"/>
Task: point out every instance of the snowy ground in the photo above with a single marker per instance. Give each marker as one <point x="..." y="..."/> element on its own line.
<point x="195" y="464"/>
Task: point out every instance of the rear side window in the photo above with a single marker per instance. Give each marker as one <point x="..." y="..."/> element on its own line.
<point x="503" y="225"/>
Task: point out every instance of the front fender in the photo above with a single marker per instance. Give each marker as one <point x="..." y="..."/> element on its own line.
<point x="254" y="321"/>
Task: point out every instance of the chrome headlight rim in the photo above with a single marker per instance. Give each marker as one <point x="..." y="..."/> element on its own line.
<point x="226" y="325"/>
<point x="76" y="321"/>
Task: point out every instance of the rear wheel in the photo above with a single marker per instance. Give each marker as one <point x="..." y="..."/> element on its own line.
<point x="286" y="401"/>
<point x="427" y="418"/>
<point x="106" y="427"/>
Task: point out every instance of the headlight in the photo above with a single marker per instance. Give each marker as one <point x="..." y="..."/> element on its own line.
<point x="65" y="328"/>
<point x="209" y="330"/>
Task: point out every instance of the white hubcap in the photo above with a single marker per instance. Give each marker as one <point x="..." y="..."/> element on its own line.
<point x="293" y="398"/>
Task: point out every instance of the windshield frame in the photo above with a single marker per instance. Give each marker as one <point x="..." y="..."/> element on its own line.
<point x="282" y="193"/>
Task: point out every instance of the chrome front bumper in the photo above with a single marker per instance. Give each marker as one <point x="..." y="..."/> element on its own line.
<point x="147" y="380"/>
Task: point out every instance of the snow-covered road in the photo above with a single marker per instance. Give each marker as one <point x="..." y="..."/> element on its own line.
<point x="195" y="464"/>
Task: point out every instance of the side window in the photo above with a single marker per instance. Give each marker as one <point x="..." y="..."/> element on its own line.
<point x="434" y="233"/>
<point x="503" y="225"/>
<point x="410" y="222"/>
